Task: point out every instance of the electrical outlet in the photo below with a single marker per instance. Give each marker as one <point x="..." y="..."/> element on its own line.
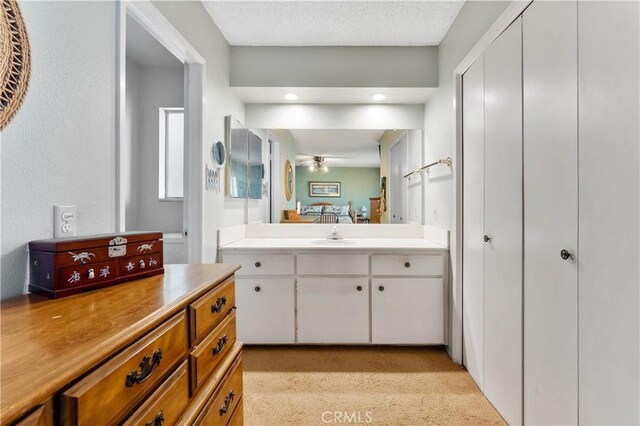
<point x="65" y="219"/>
<point x="435" y="214"/>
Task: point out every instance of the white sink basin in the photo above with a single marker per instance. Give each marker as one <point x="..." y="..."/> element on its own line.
<point x="333" y="242"/>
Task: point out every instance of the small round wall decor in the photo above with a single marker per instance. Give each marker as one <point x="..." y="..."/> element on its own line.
<point x="15" y="60"/>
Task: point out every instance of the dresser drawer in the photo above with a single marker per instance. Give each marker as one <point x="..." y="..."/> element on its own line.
<point x="112" y="390"/>
<point x="41" y="416"/>
<point x="237" y="418"/>
<point x="213" y="349"/>
<point x="167" y="403"/>
<point x="268" y="264"/>
<point x="407" y="265"/>
<point x="224" y="400"/>
<point x="210" y="309"/>
<point x="333" y="264"/>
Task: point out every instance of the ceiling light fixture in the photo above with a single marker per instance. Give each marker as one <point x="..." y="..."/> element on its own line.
<point x="291" y="97"/>
<point x="379" y="97"/>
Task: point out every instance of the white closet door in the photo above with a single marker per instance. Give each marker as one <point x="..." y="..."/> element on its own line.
<point x="550" y="212"/>
<point x="473" y="220"/>
<point x="503" y="223"/>
<point x="608" y="42"/>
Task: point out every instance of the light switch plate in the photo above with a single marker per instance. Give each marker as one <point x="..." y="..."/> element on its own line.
<point x="65" y="220"/>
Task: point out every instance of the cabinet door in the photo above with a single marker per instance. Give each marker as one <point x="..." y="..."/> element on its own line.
<point x="503" y="223"/>
<point x="266" y="310"/>
<point x="551" y="212"/>
<point x="473" y="219"/>
<point x="333" y="310"/>
<point x="407" y="311"/>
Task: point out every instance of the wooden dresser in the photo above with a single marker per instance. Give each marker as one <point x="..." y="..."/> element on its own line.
<point x="156" y="351"/>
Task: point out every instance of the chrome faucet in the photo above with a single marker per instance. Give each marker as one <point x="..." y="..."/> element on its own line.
<point x="334" y="234"/>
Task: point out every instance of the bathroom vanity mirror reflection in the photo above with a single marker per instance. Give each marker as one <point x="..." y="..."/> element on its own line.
<point x="237" y="173"/>
<point x="347" y="176"/>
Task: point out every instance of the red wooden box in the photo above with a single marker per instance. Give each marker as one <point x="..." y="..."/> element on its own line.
<point x="64" y="266"/>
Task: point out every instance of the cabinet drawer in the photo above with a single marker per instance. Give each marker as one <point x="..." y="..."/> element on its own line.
<point x="268" y="264"/>
<point x="333" y="264"/>
<point x="210" y="309"/>
<point x="108" y="393"/>
<point x="237" y="419"/>
<point x="266" y="310"/>
<point x="167" y="403"/>
<point x="407" y="264"/>
<point x="407" y="311"/>
<point x="224" y="400"/>
<point x="208" y="354"/>
<point x="41" y="416"/>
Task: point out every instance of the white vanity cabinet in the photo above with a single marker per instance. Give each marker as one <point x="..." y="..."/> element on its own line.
<point x="377" y="295"/>
<point x="268" y="310"/>
<point x="333" y="310"/>
<point x="407" y="311"/>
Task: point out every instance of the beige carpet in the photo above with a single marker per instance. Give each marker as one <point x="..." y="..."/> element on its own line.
<point x="360" y="385"/>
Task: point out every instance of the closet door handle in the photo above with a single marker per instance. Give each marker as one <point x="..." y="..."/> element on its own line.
<point x="565" y="255"/>
<point x="486" y="239"/>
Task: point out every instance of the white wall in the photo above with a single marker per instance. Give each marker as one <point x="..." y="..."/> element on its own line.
<point x="472" y="22"/>
<point x="193" y="21"/>
<point x="60" y="149"/>
<point x="156" y="87"/>
<point x="127" y="145"/>
<point x="383" y="116"/>
<point x="333" y="66"/>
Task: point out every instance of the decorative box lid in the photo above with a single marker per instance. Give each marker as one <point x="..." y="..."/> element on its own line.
<point x="92" y="241"/>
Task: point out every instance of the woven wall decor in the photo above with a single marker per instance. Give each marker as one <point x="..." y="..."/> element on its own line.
<point x="15" y="61"/>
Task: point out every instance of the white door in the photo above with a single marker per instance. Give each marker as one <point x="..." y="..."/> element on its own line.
<point x="503" y="223"/>
<point x="550" y="211"/>
<point x="473" y="221"/>
<point x="397" y="184"/>
<point x="333" y="310"/>
<point x="609" y="273"/>
<point x="407" y="311"/>
<point x="266" y="310"/>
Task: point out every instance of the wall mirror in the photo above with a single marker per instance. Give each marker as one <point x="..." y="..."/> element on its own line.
<point x="288" y="180"/>
<point x="237" y="172"/>
<point x="255" y="166"/>
<point x="357" y="175"/>
<point x="218" y="154"/>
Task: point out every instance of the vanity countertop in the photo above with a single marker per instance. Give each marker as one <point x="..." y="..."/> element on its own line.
<point x="325" y="244"/>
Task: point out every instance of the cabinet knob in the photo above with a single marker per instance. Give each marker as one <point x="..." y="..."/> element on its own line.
<point x="486" y="239"/>
<point x="258" y="264"/>
<point x="257" y="289"/>
<point x="359" y="288"/>
<point x="407" y="264"/>
<point x="565" y="255"/>
<point x="381" y="288"/>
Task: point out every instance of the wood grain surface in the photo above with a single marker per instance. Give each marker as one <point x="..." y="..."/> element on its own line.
<point x="46" y="344"/>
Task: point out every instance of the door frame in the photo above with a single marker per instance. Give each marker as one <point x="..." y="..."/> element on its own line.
<point x="156" y="24"/>
<point x="510" y="14"/>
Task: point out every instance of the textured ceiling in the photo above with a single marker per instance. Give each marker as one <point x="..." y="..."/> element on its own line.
<point x="333" y="23"/>
<point x="145" y="50"/>
<point x="341" y="148"/>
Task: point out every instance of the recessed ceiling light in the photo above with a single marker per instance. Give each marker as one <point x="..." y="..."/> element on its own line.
<point x="379" y="97"/>
<point x="291" y="97"/>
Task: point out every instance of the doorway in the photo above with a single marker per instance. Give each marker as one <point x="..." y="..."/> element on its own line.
<point x="159" y="182"/>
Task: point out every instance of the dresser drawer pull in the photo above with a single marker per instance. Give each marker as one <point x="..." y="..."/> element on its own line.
<point x="147" y="367"/>
<point x="220" y="302"/>
<point x="220" y="346"/>
<point x="227" y="403"/>
<point x="158" y="421"/>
